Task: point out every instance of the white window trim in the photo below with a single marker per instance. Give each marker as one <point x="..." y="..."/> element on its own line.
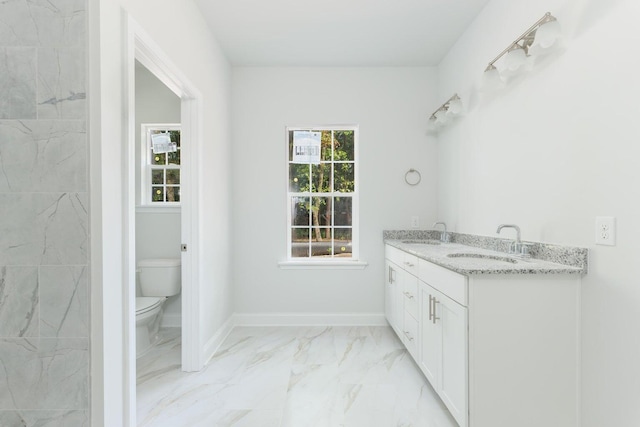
<point x="326" y="263"/>
<point x="145" y="166"/>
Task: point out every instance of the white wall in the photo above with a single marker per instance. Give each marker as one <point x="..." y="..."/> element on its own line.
<point x="179" y="30"/>
<point x="552" y="151"/>
<point x="158" y="233"/>
<point x="391" y="106"/>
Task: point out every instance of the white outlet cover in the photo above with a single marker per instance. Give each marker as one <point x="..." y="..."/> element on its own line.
<point x="605" y="230"/>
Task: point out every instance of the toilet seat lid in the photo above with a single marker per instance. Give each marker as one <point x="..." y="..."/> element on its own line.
<point x="144" y="304"/>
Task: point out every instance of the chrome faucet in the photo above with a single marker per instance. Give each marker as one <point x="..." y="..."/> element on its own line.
<point x="517" y="247"/>
<point x="444" y="236"/>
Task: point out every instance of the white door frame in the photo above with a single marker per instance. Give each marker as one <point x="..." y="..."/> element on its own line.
<point x="139" y="46"/>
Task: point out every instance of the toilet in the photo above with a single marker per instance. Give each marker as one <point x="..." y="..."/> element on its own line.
<point x="159" y="279"/>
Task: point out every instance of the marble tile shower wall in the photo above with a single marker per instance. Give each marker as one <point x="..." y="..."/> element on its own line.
<point x="44" y="289"/>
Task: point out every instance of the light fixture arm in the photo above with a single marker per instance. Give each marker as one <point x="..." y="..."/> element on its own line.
<point x="526" y="38"/>
<point x="445" y="106"/>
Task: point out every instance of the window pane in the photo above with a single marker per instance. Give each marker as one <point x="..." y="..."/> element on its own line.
<point x="344" y="178"/>
<point x="325" y="142"/>
<point x="173" y="194"/>
<point x="298" y="178"/>
<point x="157" y="176"/>
<point x="321" y="177"/>
<point x="290" y="145"/>
<point x="157" y="194"/>
<point x="299" y="242"/>
<point x="342" y="211"/>
<point x="343" y="145"/>
<point x="321" y="214"/>
<point x="300" y="210"/>
<point x="158" y="159"/>
<point x="342" y="242"/>
<point x="174" y="158"/>
<point x="175" y="136"/>
<point x="321" y="244"/>
<point x="173" y="176"/>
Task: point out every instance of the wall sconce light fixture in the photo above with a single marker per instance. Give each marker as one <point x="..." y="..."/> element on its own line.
<point x="541" y="35"/>
<point x="446" y="112"/>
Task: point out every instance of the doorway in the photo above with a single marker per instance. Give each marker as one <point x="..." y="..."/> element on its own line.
<point x="157" y="188"/>
<point x="140" y="48"/>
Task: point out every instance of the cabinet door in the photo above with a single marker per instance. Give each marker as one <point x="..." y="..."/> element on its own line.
<point x="453" y="367"/>
<point x="392" y="296"/>
<point x="399" y="301"/>
<point x="430" y="337"/>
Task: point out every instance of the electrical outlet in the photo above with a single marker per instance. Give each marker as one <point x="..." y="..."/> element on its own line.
<point x="415" y="222"/>
<point x="605" y="230"/>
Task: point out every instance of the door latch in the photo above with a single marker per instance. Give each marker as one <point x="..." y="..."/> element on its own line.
<point x="183" y="247"/>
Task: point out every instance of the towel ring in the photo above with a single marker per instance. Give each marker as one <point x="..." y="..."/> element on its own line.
<point x="412" y="180"/>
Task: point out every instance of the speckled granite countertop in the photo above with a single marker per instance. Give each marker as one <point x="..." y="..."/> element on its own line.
<point x="486" y="256"/>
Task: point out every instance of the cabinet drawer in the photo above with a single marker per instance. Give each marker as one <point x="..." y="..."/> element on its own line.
<point x="410" y="263"/>
<point x="410" y="293"/>
<point x="404" y="260"/>
<point x="410" y="334"/>
<point x="451" y="284"/>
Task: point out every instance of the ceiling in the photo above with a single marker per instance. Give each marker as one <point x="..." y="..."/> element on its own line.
<point x="338" y="32"/>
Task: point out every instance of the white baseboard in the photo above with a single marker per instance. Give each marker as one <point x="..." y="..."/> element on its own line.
<point x="309" y="319"/>
<point x="217" y="339"/>
<point x="171" y="320"/>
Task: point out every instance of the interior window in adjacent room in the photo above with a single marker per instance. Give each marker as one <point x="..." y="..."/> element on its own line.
<point x="160" y="172"/>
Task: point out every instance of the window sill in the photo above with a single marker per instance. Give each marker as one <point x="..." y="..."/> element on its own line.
<point x="322" y="265"/>
<point x="172" y="209"/>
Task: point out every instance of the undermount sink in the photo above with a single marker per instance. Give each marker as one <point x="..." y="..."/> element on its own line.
<point x="489" y="259"/>
<point x="421" y="242"/>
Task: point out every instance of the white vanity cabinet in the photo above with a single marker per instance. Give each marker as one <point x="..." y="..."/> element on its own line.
<point x="501" y="350"/>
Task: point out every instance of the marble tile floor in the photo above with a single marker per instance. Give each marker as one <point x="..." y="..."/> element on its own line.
<point x="289" y="377"/>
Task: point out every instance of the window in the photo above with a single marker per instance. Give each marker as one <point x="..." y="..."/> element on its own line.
<point x="161" y="164"/>
<point x="322" y="193"/>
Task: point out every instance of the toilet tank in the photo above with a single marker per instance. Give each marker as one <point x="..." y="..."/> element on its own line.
<point x="160" y="277"/>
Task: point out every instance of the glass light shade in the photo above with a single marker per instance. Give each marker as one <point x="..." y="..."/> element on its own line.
<point x="515" y="58"/>
<point x="441" y="117"/>
<point x="491" y="79"/>
<point x="455" y="107"/>
<point x="547" y="34"/>
<point x="432" y="126"/>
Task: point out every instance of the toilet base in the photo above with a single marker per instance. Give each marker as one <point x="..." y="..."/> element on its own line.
<point x="147" y="330"/>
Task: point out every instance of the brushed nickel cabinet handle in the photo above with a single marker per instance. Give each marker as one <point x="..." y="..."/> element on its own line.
<point x="430" y="308"/>
<point x="435" y="317"/>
